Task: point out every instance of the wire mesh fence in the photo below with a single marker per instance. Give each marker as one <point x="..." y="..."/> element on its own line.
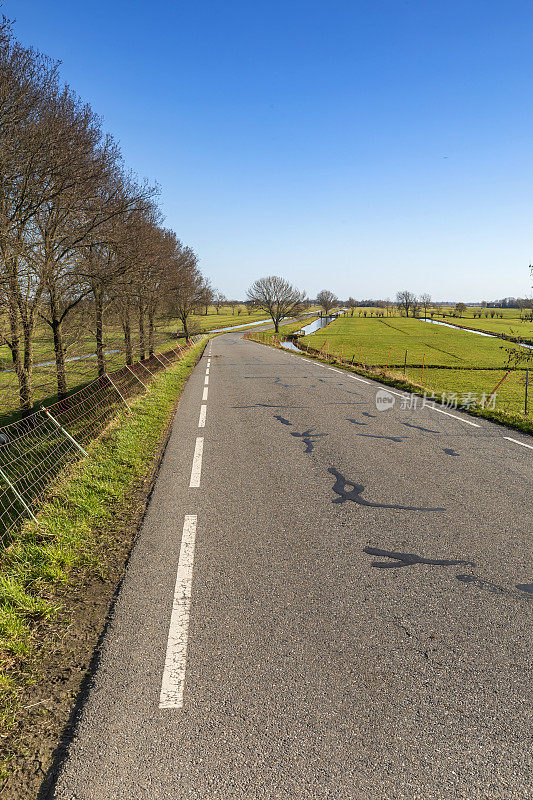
<point x="34" y="449"/>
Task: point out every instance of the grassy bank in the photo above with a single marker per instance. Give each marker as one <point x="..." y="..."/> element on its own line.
<point x="89" y="509"/>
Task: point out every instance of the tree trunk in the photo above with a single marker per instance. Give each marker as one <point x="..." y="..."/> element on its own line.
<point x="99" y="314"/>
<point x="151" y="331"/>
<point x="126" y="327"/>
<point x="185" y="328"/>
<point x="59" y="351"/>
<point x="26" y="366"/>
<point x="23" y="374"/>
<point x="142" y="343"/>
<point x="59" y="354"/>
<point x="15" y="331"/>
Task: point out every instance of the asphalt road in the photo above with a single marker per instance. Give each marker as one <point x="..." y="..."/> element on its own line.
<point x="359" y="620"/>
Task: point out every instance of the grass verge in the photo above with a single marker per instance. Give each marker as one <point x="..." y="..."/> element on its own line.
<point x="55" y="566"/>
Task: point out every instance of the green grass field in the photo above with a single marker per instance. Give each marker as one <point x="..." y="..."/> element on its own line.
<point x="385" y="340"/>
<point x="511" y="324"/>
<point x="457" y="362"/>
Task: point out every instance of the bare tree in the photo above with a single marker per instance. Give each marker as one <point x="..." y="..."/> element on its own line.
<point x="208" y="297"/>
<point x="327" y="300"/>
<point x="26" y="80"/>
<point x="405" y="300"/>
<point x="186" y="286"/>
<point x="77" y="234"/>
<point x="219" y="301"/>
<point x="425" y="301"/>
<point x="277" y="297"/>
<point x="352" y="304"/>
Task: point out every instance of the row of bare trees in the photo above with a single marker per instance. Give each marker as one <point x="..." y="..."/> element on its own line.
<point x="81" y="238"/>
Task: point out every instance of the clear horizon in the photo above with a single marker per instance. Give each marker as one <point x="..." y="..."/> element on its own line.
<point x="363" y="147"/>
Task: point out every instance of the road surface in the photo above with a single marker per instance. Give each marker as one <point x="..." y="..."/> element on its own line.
<point x="326" y="600"/>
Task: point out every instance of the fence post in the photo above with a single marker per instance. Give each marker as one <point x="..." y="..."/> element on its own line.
<point x="117" y="390"/>
<point x="161" y="362"/>
<point x="496" y="387"/>
<point x="136" y="376"/>
<point x="525" y="399"/>
<point x="18" y="495"/>
<point x="65" y="432"/>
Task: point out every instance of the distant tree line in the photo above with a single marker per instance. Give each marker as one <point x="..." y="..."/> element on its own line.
<point x="511" y="302"/>
<point x="81" y="237"/>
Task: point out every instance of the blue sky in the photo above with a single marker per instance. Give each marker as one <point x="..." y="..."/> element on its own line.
<point x="363" y="147"/>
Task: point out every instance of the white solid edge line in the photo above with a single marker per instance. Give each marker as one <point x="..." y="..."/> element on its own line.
<point x="434" y="408"/>
<point x="204" y="395"/>
<point x="516" y="441"/>
<point x="347" y="374"/>
<point x="201" y="421"/>
<point x="173" y="681"/>
<point x="196" y="470"/>
<point x="454" y="416"/>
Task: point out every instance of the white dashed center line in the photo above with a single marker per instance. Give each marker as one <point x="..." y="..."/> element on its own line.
<point x="201" y="421"/>
<point x="204" y="395"/>
<point x="196" y="470"/>
<point x="173" y="682"/>
<point x="206" y="381"/>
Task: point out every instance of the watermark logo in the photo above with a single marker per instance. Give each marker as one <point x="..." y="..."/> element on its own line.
<point x="384" y="400"/>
